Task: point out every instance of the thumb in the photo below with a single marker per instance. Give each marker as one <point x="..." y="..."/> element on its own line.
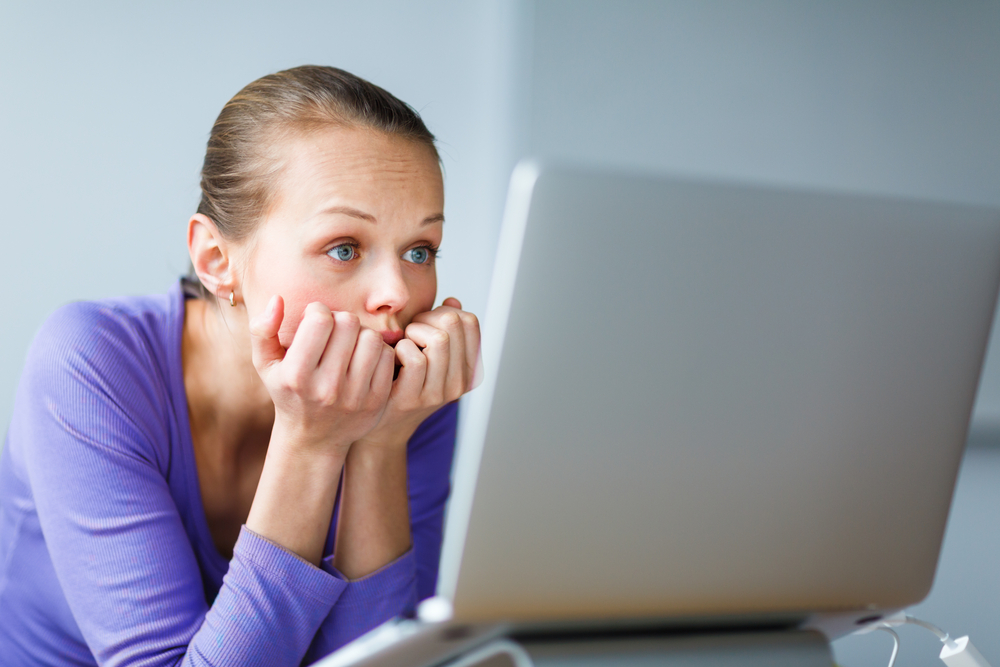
<point x="452" y="302"/>
<point x="264" y="342"/>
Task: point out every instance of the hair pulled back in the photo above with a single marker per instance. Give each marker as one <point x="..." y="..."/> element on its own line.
<point x="242" y="162"/>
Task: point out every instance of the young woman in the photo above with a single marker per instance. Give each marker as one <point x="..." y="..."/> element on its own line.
<point x="251" y="469"/>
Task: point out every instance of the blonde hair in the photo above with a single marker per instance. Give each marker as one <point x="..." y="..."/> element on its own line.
<point x="242" y="162"/>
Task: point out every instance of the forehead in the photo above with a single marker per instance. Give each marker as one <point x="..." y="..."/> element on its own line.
<point x="358" y="166"/>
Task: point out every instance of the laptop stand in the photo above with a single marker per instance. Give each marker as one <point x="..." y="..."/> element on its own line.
<point x="761" y="649"/>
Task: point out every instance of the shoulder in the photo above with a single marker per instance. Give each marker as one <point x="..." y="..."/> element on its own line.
<point x="102" y="362"/>
<point x="91" y="325"/>
<point x="96" y="335"/>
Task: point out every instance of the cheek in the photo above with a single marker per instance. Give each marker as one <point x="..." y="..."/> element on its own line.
<point x="297" y="300"/>
<point x="422" y="295"/>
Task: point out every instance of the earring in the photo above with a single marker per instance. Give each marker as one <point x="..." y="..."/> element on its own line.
<point x="232" y="299"/>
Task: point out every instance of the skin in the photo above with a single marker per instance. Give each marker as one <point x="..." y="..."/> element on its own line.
<point x="294" y="386"/>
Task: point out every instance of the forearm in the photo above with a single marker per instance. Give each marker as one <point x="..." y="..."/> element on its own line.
<point x="374" y="524"/>
<point x="295" y="496"/>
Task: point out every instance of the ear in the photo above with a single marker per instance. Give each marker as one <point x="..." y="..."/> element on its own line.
<point x="210" y="256"/>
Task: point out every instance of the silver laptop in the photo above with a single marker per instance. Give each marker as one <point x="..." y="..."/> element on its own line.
<point x="706" y="404"/>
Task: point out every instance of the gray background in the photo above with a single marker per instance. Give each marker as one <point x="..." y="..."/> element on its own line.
<point x="105" y="109"/>
<point x="886" y="97"/>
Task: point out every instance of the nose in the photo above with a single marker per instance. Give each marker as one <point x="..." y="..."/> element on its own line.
<point x="388" y="293"/>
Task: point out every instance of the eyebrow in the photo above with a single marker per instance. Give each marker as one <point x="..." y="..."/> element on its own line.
<point x="361" y="215"/>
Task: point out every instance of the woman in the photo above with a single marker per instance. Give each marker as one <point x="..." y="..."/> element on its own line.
<point x="258" y="475"/>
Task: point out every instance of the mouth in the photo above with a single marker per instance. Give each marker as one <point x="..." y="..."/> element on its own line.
<point x="391" y="337"/>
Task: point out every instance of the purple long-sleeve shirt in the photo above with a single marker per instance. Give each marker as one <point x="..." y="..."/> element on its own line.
<point x="105" y="553"/>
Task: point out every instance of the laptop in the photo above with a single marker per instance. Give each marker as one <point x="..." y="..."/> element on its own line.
<point x="706" y="405"/>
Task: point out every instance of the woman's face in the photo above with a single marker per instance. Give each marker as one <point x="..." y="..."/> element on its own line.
<point x="355" y="224"/>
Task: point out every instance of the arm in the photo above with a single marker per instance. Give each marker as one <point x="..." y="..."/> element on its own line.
<point x="438" y="358"/>
<point x="329" y="389"/>
<point x="395" y="589"/>
<point x="95" y="422"/>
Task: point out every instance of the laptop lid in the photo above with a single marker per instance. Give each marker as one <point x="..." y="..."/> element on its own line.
<point x="707" y="399"/>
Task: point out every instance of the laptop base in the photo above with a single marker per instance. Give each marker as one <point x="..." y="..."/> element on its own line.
<point x="409" y="643"/>
<point x="756" y="649"/>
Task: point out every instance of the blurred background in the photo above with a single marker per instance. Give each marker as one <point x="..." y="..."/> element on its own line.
<point x="105" y="109"/>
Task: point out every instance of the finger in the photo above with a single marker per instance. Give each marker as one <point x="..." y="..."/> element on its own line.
<point x="457" y="380"/>
<point x="412" y="371"/>
<point x="265" y="347"/>
<point x="366" y="356"/>
<point x="311" y="337"/>
<point x="470" y="325"/>
<point x="459" y="371"/>
<point x="468" y="352"/>
<point x="464" y="361"/>
<point x="340" y="346"/>
<point x="382" y="377"/>
<point x="436" y="345"/>
<point x="435" y="317"/>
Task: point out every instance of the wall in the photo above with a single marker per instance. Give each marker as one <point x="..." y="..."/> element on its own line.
<point x="105" y="110"/>
<point x="898" y="98"/>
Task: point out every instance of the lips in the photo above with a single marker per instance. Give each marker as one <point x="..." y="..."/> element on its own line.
<point x="392" y="337"/>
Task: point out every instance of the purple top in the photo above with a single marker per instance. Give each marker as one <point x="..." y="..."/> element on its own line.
<point x="105" y="553"/>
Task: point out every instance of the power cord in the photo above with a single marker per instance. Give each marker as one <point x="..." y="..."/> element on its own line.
<point x="955" y="652"/>
<point x="895" y="643"/>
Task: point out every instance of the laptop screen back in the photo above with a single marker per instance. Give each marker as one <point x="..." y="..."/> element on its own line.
<point x="707" y="399"/>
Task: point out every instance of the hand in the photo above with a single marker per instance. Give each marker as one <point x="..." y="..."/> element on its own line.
<point x="438" y="361"/>
<point x="331" y="385"/>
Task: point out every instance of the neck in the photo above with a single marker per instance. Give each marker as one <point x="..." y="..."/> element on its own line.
<point x="228" y="405"/>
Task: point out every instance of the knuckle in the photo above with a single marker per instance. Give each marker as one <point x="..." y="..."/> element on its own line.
<point x="296" y="376"/>
<point x="293" y="383"/>
<point x="347" y="319"/>
<point x="416" y="363"/>
<point x="451" y="319"/>
<point x="440" y="337"/>
<point x="353" y="403"/>
<point x="370" y="337"/>
<point x="317" y="309"/>
<point x="317" y="318"/>
<point x="329" y="394"/>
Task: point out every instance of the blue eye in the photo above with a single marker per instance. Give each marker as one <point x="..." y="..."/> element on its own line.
<point x="417" y="255"/>
<point x="344" y="253"/>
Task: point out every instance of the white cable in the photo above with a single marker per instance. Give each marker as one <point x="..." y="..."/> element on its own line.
<point x="895" y="643"/>
<point x="955" y="652"/>
<point x="941" y="634"/>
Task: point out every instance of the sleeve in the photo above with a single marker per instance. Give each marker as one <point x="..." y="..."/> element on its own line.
<point x="121" y="555"/>
<point x="430" y="458"/>
<point x="395" y="589"/>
